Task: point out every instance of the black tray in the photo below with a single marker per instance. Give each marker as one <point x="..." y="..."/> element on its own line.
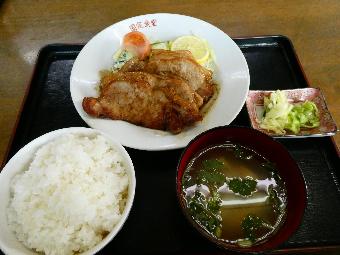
<point x="156" y="224"/>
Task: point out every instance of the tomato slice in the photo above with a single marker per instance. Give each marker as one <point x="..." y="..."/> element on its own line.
<point x="137" y="43"/>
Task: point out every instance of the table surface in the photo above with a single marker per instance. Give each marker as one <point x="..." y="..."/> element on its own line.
<point x="26" y="26"/>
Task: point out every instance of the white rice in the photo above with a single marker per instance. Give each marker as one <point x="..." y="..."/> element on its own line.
<point x="71" y="196"/>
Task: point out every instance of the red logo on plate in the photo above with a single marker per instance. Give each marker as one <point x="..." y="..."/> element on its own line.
<point x="146" y="23"/>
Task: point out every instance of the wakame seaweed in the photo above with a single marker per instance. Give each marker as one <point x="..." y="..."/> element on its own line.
<point x="210" y="175"/>
<point x="214" y="203"/>
<point x="187" y="180"/>
<point x="252" y="223"/>
<point x="275" y="201"/>
<point x="206" y="213"/>
<point x="211" y="178"/>
<point x="244" y="187"/>
<point x="212" y="164"/>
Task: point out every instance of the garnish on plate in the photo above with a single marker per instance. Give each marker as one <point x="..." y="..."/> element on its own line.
<point x="280" y="115"/>
<point x="138" y="44"/>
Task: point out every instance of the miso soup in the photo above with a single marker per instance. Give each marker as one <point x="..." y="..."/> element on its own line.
<point x="235" y="194"/>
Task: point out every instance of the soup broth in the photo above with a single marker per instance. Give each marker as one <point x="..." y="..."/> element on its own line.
<point x="235" y="194"/>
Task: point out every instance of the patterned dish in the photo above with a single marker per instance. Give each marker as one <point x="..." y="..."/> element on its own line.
<point x="327" y="126"/>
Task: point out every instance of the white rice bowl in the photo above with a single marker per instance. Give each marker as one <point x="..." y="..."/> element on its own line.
<point x="71" y="196"/>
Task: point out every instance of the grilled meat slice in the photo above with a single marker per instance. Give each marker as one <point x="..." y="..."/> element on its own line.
<point x="144" y="99"/>
<point x="183" y="65"/>
<point x="176" y="63"/>
<point x="133" y="65"/>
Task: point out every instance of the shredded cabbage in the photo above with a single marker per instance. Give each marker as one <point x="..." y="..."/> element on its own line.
<point x="276" y="109"/>
<point x="120" y="58"/>
<point x="280" y="115"/>
<point x="161" y="45"/>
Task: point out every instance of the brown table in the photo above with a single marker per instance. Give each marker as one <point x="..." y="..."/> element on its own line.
<point x="26" y="26"/>
<point x="313" y="27"/>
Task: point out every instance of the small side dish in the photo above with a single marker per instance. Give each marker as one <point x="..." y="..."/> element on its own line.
<point x="290" y="113"/>
<point x="162" y="86"/>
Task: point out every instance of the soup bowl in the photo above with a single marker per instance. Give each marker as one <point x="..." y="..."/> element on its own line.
<point x="269" y="149"/>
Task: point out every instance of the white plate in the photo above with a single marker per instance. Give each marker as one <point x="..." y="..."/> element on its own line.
<point x="232" y="75"/>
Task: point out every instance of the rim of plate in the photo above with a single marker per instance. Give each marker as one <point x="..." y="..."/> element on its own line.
<point x="161" y="139"/>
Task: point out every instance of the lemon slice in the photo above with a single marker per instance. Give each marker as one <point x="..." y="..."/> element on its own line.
<point x="198" y="47"/>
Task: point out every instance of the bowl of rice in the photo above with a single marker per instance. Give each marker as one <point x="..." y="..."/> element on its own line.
<point x="67" y="192"/>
